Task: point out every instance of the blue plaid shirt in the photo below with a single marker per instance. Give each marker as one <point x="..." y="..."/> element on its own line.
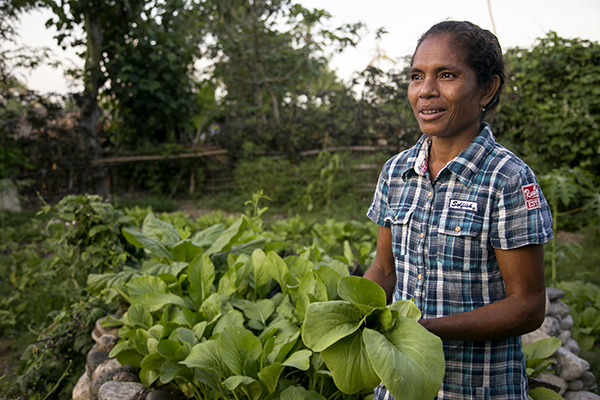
<point x="443" y="239"/>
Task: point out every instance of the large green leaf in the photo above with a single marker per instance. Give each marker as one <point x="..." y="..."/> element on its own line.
<point x="207" y="237"/>
<point x="185" y="251"/>
<point x="227" y="238"/>
<point x="269" y="376"/>
<point x="239" y="348"/>
<point x="201" y="274"/>
<point x="139" y="315"/>
<point x="261" y="273"/>
<point x="328" y="322"/>
<point x="406" y="308"/>
<point x="330" y="278"/>
<point x="299" y="360"/>
<point x="299" y="393"/>
<point x="155" y="301"/>
<point x="142" y="241"/>
<point x="248" y="248"/>
<point x="349" y="364"/>
<point x="184" y="335"/>
<point x="313" y="285"/>
<point x="168" y="348"/>
<point x="207" y="356"/>
<point x="150" y="368"/>
<point x="299" y="267"/>
<point x="169" y="371"/>
<point x="409" y="359"/>
<point x="211" y="306"/>
<point x="227" y="282"/>
<point x="156" y="268"/>
<point x="278" y="270"/>
<point x="144" y="285"/>
<point x="536" y="354"/>
<point x="232" y="318"/>
<point x="160" y="231"/>
<point x="365" y="294"/>
<point x="233" y="382"/>
<point x="260" y="311"/>
<point x="542" y="393"/>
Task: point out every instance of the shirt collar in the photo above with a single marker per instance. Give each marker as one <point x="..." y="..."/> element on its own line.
<point x="464" y="166"/>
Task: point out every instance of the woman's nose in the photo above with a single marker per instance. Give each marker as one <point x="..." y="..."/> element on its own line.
<point x="428" y="88"/>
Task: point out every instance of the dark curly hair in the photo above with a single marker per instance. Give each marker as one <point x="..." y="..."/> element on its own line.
<point x="481" y="49"/>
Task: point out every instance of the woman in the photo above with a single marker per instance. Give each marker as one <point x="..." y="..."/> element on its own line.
<point x="462" y="220"/>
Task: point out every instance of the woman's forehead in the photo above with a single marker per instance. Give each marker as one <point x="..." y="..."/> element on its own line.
<point x="439" y="49"/>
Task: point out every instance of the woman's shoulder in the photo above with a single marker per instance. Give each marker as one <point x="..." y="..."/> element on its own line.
<point x="402" y="160"/>
<point x="506" y="162"/>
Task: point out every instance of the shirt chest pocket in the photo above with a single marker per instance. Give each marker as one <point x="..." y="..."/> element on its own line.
<point x="399" y="218"/>
<point x="460" y="241"/>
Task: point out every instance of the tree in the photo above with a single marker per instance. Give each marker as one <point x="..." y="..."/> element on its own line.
<point x="551" y="114"/>
<point x="267" y="55"/>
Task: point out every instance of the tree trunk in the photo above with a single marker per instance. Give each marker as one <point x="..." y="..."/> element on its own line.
<point x="90" y="112"/>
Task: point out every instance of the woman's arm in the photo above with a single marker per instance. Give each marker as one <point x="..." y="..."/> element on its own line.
<point x="520" y="312"/>
<point x="383" y="270"/>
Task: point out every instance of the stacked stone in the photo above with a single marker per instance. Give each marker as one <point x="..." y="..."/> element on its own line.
<point x="570" y="375"/>
<point x="106" y="379"/>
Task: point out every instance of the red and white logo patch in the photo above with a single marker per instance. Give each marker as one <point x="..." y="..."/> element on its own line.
<point x="531" y="193"/>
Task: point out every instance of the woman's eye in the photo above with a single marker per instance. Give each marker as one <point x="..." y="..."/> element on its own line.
<point x="414" y="77"/>
<point x="447" y="75"/>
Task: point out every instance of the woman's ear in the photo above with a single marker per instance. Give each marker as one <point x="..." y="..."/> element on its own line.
<point x="489" y="91"/>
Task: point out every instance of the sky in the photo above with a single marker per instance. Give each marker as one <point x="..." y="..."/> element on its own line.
<point x="517" y="23"/>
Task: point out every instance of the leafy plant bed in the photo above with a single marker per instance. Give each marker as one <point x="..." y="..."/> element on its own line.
<point x="220" y="314"/>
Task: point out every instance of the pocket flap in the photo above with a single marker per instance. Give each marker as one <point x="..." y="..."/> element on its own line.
<point x="464" y="224"/>
<point x="399" y="216"/>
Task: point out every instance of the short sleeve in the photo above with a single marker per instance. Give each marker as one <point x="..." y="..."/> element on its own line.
<point x="521" y="215"/>
<point x="378" y="208"/>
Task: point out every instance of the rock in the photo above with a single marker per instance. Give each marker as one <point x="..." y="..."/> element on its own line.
<point x="581" y="395"/>
<point x="576" y="385"/>
<point x="125" y="377"/>
<point x="9" y="197"/>
<point x="558" y="309"/>
<point x="566" y="323"/>
<point x="573" y="347"/>
<point x="81" y="391"/>
<point x="536" y="383"/>
<point x="107" y="366"/>
<point x="556" y="381"/>
<point x="572" y="367"/>
<point x="550" y="326"/>
<point x="100" y="331"/>
<point x="564" y="337"/>
<point x="107" y="342"/>
<point x="554" y="293"/>
<point x="548" y="306"/>
<point x="534" y="336"/>
<point x="159" y="395"/>
<point x="106" y="377"/>
<point x="588" y="379"/>
<point x="119" y="390"/>
<point x="94" y="358"/>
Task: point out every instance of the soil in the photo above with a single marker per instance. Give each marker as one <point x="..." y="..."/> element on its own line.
<point x="10" y="351"/>
<point x="192" y="210"/>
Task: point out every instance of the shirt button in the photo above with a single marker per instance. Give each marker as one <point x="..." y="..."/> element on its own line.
<point x="422" y="234"/>
<point x="457" y="229"/>
<point x="420" y="276"/>
<point x="430" y="194"/>
<point x="395" y="218"/>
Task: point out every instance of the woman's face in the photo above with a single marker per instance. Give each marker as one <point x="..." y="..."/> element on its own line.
<point x="443" y="90"/>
